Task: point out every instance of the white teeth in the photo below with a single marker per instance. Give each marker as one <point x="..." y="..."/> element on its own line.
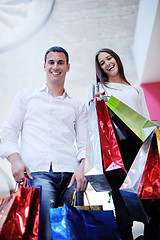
<point x="55" y="73"/>
<point x="110" y="68"/>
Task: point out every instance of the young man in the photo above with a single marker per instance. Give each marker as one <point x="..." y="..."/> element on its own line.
<point x="49" y="121"/>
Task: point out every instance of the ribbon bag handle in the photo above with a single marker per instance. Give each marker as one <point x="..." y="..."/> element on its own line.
<point x="75" y="197"/>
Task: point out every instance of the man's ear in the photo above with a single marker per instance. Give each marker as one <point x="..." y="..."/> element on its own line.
<point x="68" y="67"/>
<point x="44" y="66"/>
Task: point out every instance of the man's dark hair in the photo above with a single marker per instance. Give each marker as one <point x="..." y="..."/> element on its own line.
<point x="57" y="49"/>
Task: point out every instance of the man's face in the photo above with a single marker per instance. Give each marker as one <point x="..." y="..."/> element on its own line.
<point x="56" y="67"/>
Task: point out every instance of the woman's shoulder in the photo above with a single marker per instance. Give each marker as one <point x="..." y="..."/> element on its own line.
<point x="91" y="86"/>
<point x="138" y="88"/>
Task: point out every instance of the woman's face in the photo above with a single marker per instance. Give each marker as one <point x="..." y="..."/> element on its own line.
<point x="108" y="64"/>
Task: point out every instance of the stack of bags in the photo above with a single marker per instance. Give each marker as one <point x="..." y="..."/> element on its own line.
<point x="123" y="151"/>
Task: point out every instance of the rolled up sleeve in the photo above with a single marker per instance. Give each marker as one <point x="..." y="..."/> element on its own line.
<point x="81" y="131"/>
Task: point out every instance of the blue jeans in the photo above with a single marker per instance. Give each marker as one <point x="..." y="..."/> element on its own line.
<point x="123" y="218"/>
<point x="54" y="193"/>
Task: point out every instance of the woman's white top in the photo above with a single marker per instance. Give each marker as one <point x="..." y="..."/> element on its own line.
<point x="131" y="95"/>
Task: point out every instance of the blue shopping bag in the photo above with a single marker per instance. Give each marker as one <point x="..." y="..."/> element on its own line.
<point x="74" y="224"/>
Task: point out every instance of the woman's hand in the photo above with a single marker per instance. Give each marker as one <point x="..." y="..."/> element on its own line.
<point x="101" y="95"/>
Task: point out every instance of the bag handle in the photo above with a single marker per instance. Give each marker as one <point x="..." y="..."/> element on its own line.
<point x="25" y="183"/>
<point x="75" y="196"/>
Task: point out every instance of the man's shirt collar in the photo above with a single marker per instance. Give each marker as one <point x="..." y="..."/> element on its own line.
<point x="45" y="89"/>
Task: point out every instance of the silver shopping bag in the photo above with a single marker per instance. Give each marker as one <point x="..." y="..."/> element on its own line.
<point x="132" y="189"/>
<point x="94" y="170"/>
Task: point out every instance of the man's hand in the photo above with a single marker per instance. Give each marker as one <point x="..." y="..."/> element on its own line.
<point x="79" y="177"/>
<point x="19" y="168"/>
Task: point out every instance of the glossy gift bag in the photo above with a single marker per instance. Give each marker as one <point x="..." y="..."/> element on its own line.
<point x="69" y="223"/>
<point x="112" y="160"/>
<point x="5" y="207"/>
<point x="129" y="143"/>
<point x="141" y="187"/>
<point x="94" y="169"/>
<point x="150" y="194"/>
<point x="21" y="218"/>
<point x="136" y="122"/>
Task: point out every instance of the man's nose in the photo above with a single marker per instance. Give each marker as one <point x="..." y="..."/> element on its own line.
<point x="55" y="66"/>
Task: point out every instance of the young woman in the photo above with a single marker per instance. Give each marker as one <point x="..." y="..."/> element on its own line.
<point x="111" y="80"/>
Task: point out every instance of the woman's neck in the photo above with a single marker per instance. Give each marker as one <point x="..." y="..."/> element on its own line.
<point x="117" y="79"/>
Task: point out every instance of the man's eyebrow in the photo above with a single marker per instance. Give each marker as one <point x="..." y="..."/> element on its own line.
<point x="61" y="60"/>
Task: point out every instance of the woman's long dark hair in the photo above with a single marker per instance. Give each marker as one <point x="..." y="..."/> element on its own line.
<point x="101" y="76"/>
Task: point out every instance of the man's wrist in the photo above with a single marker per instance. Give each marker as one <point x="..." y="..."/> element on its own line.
<point x="14" y="157"/>
<point x="81" y="160"/>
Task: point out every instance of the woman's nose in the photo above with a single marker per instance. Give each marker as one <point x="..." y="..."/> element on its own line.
<point x="106" y="62"/>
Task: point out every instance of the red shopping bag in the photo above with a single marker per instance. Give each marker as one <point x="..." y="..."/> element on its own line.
<point x="150" y="183"/>
<point x="25" y="208"/>
<point x="32" y="228"/>
<point x="112" y="160"/>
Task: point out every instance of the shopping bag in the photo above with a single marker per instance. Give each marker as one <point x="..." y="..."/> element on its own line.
<point x="5" y="207"/>
<point x="33" y="223"/>
<point x="70" y="223"/>
<point x="112" y="159"/>
<point x="136" y="122"/>
<point x="73" y="201"/>
<point x="150" y="194"/>
<point x="151" y="174"/>
<point x="129" y="143"/>
<point x="158" y="138"/>
<point x="94" y="170"/>
<point x="141" y="187"/>
<point x="23" y="211"/>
